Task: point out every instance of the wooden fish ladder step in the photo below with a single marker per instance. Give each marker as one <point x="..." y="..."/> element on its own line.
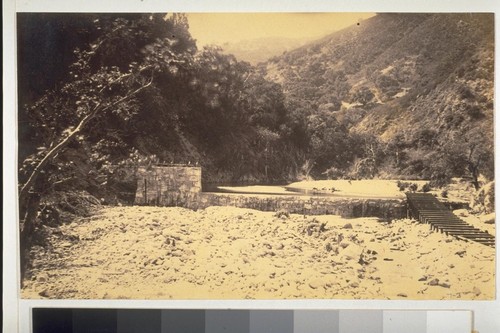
<point x="425" y="208"/>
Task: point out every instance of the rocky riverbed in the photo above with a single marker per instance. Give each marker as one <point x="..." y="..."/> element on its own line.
<point x="233" y="253"/>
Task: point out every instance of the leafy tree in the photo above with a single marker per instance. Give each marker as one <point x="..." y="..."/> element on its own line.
<point x="369" y="156"/>
<point x="330" y="144"/>
<point x="97" y="92"/>
<point x="471" y="155"/>
<point x="396" y="150"/>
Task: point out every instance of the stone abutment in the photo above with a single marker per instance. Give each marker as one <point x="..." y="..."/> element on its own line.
<point x="181" y="186"/>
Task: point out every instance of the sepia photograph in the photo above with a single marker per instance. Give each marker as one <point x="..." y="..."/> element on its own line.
<point x="256" y="156"/>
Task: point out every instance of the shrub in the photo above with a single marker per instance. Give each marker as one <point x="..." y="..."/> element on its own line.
<point x="402" y="185"/>
<point x="413" y="187"/>
<point x="334" y="173"/>
<point x="440" y="178"/>
<point x="426" y="187"/>
<point x="484" y="199"/>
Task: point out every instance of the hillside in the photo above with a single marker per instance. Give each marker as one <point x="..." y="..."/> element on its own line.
<point x="418" y="82"/>
<point x="397" y="96"/>
<point x="258" y="50"/>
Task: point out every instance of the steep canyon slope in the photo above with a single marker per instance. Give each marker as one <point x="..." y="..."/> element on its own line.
<point x="421" y="83"/>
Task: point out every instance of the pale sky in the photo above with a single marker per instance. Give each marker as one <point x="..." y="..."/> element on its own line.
<point x="218" y="28"/>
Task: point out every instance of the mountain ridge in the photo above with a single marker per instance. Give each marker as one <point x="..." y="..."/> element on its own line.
<point x="259" y="50"/>
<point x="397" y="76"/>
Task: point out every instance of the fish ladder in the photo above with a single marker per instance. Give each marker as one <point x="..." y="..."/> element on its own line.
<point x="425" y="208"/>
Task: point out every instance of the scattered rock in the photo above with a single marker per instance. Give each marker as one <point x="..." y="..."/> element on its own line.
<point x="315" y="284"/>
<point x="461" y="212"/>
<point x="362" y="260"/>
<point x="157" y="261"/>
<point x="488" y="218"/>
<point x="335" y="250"/>
<point x="43" y="277"/>
<point x="328" y="247"/>
<point x="283" y="214"/>
<point x="321" y="252"/>
<point x="267" y="253"/>
<point x="315" y="228"/>
<point x="434" y="282"/>
<point x="354" y="285"/>
<point x="344" y="245"/>
<point x="46" y="293"/>
<point x="356" y="240"/>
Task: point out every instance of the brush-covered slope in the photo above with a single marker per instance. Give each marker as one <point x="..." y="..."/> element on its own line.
<point x="423" y="82"/>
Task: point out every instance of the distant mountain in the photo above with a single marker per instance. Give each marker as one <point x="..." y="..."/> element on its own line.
<point x="258" y="50"/>
<point x="420" y="80"/>
<point x="398" y="60"/>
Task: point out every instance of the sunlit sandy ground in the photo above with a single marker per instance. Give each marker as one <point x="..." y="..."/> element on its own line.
<point x="233" y="253"/>
<point x="344" y="188"/>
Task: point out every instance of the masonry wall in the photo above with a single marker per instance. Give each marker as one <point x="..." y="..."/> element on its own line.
<point x="181" y="186"/>
<point x="168" y="185"/>
<point x="386" y="209"/>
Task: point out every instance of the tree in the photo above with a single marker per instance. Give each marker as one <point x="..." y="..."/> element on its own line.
<point x="330" y="144"/>
<point x="471" y="155"/>
<point x="94" y="92"/>
<point x="369" y="156"/>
